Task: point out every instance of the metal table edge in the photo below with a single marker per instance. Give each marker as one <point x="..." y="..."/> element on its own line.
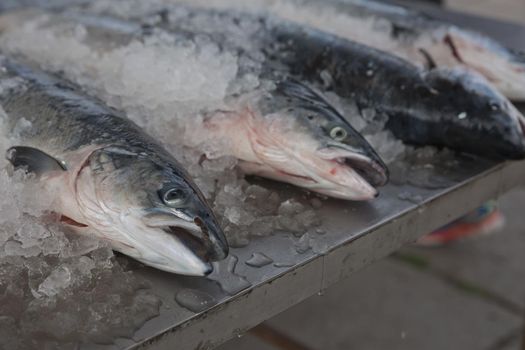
<point x="325" y="269"/>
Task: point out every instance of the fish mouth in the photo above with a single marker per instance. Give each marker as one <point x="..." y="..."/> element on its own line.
<point x="200" y="237"/>
<point x="371" y="168"/>
<point x="199" y="241"/>
<point x="191" y="241"/>
<point x="374" y="173"/>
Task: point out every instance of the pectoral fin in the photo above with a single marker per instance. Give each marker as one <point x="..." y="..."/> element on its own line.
<point x="34" y="160"/>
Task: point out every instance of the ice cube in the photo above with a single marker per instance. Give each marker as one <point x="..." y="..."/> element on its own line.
<point x="57" y="281"/>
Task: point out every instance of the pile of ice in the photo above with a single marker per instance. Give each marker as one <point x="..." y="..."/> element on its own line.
<point x="190" y="76"/>
<point x="368" y="122"/>
<point x="57" y="288"/>
<point x="346" y="20"/>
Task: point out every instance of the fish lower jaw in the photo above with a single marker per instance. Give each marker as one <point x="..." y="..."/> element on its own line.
<point x="318" y="185"/>
<point x="163" y="261"/>
<point x="301" y="178"/>
<point x="348" y="196"/>
<point x="266" y="171"/>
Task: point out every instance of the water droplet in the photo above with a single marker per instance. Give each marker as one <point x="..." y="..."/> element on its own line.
<point x="284" y="264"/>
<point x="327" y="79"/>
<point x="410" y="197"/>
<point x="194" y="300"/>
<point x="303" y="244"/>
<point x="316" y="203"/>
<point x="462" y="115"/>
<point x="258" y="260"/>
<point x="319" y="246"/>
<point x="369" y="73"/>
<point x="223" y="273"/>
<point x="368" y="114"/>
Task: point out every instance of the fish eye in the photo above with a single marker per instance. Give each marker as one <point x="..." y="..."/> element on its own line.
<point x="174" y="197"/>
<point x="310" y="117"/>
<point x="338" y="133"/>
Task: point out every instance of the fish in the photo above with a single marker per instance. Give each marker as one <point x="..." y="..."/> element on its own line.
<point x="454" y="108"/>
<point x="413" y="36"/>
<point x="285" y="130"/>
<point x="112" y="180"/>
<point x="292" y="134"/>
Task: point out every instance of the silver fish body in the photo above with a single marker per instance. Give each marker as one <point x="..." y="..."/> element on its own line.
<point x="111" y="179"/>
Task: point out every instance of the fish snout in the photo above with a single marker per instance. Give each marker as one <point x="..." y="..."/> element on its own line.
<point x="506" y="131"/>
<point x="200" y="240"/>
<point x="374" y="171"/>
<point x="365" y="162"/>
<point x="204" y="238"/>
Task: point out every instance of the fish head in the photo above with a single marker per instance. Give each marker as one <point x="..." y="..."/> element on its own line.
<point x="149" y="209"/>
<point x="473" y="116"/>
<point x="306" y="142"/>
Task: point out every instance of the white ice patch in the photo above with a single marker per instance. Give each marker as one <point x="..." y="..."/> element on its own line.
<point x="372" y="31"/>
<point x="189" y="77"/>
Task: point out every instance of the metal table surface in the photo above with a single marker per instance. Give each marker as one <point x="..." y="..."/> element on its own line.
<point x="356" y="235"/>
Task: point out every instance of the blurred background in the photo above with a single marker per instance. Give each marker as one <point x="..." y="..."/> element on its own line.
<point x="508" y="10"/>
<point x="469" y="295"/>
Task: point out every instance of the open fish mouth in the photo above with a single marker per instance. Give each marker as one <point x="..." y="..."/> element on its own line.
<point x="197" y="237"/>
<point x="191" y="241"/>
<point x="371" y="168"/>
<point x="375" y="174"/>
